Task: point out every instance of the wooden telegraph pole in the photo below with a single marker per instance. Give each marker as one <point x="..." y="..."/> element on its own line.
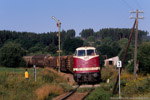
<point x="135" y="53"/>
<point x="136" y="41"/>
<point x="123" y="59"/>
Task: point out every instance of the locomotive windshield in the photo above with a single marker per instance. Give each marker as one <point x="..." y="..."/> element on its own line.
<point x="90" y="52"/>
<point x="81" y="52"/>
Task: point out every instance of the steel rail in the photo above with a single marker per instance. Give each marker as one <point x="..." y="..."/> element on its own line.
<point x="88" y="93"/>
<point x="64" y="98"/>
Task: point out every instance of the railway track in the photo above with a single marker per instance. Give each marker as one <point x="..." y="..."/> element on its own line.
<point x="90" y="91"/>
<point x="74" y="96"/>
<point x="71" y="93"/>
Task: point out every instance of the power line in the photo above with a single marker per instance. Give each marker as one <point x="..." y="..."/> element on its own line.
<point x="137" y="3"/>
<point x="127" y="4"/>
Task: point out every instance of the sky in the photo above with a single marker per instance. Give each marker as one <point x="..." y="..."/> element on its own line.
<point x="36" y="15"/>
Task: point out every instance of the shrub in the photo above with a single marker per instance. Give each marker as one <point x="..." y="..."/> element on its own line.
<point x="11" y="55"/>
<point x="144" y="58"/>
<point x="130" y="67"/>
<point x="126" y="76"/>
<point x="108" y="72"/>
<point x="136" y="87"/>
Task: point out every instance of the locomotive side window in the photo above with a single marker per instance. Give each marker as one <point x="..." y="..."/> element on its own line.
<point x="90" y="52"/>
<point x="81" y="52"/>
<point x="75" y="53"/>
<point x="96" y="52"/>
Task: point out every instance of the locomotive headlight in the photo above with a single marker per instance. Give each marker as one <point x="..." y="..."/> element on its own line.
<point x="95" y="74"/>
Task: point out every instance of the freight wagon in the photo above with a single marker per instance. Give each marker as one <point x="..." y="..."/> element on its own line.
<point x="66" y="62"/>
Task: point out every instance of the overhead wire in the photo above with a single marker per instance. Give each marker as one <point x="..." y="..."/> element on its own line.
<point x="127" y="4"/>
<point x="137" y="3"/>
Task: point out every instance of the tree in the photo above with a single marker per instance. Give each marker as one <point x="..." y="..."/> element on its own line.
<point x="144" y="57"/>
<point x="123" y="44"/>
<point x="70" y="45"/>
<point x="90" y="41"/>
<point x="107" y="41"/>
<point x="86" y="33"/>
<point x="105" y="50"/>
<point x="36" y="48"/>
<point x="108" y="47"/>
<point x="51" y="49"/>
<point x="71" y="33"/>
<point x="11" y="55"/>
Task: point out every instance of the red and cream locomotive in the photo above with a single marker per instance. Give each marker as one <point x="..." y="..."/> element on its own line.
<point x="86" y="65"/>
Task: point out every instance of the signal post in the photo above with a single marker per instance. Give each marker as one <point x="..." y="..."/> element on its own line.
<point x="59" y="51"/>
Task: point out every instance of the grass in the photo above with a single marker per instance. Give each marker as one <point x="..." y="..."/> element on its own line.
<point x="129" y="87"/>
<point x="137" y="87"/>
<point x="49" y="84"/>
<point x="81" y="90"/>
<point x="15" y="70"/>
<point x="13" y="85"/>
<point x="99" y="94"/>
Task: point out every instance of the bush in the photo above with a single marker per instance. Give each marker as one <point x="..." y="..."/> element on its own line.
<point x="136" y="87"/>
<point x="108" y="72"/>
<point x="144" y="58"/>
<point x="130" y="67"/>
<point x="11" y="55"/>
<point x="99" y="94"/>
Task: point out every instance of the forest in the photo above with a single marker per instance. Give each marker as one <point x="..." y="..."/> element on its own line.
<point x="109" y="42"/>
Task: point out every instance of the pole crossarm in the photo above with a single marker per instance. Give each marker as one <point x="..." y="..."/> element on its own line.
<point x="137" y="11"/>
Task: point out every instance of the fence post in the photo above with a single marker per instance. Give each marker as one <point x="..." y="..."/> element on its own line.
<point x="34" y="66"/>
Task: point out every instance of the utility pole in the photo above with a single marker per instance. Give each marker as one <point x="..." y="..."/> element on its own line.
<point x="136" y="40"/>
<point x="123" y="59"/>
<point x="58" y="25"/>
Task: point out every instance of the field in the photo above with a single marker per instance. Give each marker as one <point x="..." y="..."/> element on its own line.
<point x="13" y="85"/>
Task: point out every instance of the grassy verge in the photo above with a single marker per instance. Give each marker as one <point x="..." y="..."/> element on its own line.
<point x="129" y="88"/>
<point x="13" y="85"/>
<point x="99" y="94"/>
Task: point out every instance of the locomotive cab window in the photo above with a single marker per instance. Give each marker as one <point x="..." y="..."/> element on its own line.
<point x="96" y="52"/>
<point x="90" y="52"/>
<point x="75" y="53"/>
<point x="81" y="52"/>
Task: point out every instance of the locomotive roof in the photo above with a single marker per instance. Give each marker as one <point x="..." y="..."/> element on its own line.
<point x="83" y="48"/>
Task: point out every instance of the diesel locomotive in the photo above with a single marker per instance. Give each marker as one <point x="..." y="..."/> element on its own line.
<point x="86" y="66"/>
